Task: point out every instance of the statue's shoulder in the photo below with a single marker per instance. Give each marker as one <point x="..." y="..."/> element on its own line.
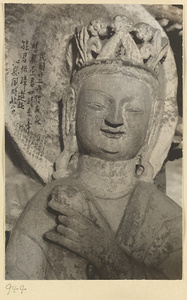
<point x="155" y="199"/>
<point x="151" y="210"/>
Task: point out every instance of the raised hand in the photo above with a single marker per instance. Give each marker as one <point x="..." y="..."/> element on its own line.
<point x="81" y="235"/>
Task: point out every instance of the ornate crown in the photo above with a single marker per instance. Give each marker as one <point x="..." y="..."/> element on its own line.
<point x="139" y="44"/>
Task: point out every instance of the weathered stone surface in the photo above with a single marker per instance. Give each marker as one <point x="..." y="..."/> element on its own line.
<point x="103" y="218"/>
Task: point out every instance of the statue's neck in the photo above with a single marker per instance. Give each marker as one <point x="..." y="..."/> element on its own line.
<point x="107" y="179"/>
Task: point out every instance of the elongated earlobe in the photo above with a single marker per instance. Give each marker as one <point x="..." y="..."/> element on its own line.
<point x="68" y="134"/>
<point x="139" y="168"/>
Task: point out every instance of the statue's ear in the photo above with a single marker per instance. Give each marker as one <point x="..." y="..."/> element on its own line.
<point x="68" y="133"/>
<point x="148" y="173"/>
<point x="68" y="112"/>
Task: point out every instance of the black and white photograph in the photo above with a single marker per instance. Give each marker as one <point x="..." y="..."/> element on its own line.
<point x="93" y="141"/>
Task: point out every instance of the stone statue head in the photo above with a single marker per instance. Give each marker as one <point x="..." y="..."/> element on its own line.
<point x="114" y="106"/>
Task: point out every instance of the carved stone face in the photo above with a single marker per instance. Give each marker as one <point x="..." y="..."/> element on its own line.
<point x="112" y="116"/>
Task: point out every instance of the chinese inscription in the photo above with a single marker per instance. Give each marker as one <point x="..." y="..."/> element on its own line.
<point x="26" y="100"/>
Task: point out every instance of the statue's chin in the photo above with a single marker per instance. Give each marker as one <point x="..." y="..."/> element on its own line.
<point x="111" y="155"/>
<point x="113" y="149"/>
<point x="108" y="155"/>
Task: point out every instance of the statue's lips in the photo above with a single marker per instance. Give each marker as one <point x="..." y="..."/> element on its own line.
<point x="113" y="134"/>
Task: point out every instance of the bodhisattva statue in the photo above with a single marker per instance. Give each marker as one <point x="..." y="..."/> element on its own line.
<point x="104" y="219"/>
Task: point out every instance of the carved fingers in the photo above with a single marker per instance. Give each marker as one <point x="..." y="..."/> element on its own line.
<point x="75" y="223"/>
<point x="77" y="236"/>
<point x="62" y="240"/>
<point x="72" y="218"/>
<point x="77" y="233"/>
<point x="68" y="232"/>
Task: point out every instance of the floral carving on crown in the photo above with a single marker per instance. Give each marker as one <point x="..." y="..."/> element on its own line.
<point x="119" y="40"/>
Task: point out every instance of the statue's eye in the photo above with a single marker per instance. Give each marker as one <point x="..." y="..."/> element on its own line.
<point x="96" y="106"/>
<point x="134" y="110"/>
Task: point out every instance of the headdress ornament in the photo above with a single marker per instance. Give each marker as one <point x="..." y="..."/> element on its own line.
<point x="120" y="40"/>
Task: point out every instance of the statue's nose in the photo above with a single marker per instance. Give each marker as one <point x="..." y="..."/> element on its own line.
<point x="114" y="118"/>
